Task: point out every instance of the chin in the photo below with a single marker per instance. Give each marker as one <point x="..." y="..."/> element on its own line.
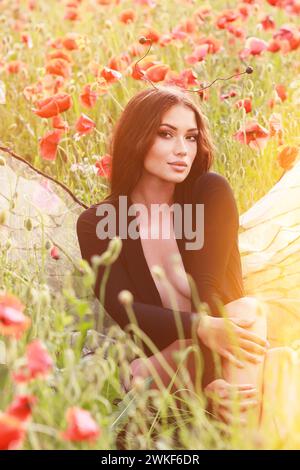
<point x="177" y="178"/>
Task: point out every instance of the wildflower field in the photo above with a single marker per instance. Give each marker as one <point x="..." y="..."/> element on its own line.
<point x="66" y="73"/>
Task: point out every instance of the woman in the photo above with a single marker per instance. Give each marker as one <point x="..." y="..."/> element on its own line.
<point x="162" y="154"/>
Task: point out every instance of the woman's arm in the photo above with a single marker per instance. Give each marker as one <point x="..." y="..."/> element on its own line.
<point x="209" y="265"/>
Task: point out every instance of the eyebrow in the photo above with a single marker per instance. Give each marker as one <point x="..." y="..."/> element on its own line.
<point x="175" y="128"/>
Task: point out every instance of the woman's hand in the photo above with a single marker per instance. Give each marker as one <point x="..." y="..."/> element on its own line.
<point x="222" y="396"/>
<point x="230" y="339"/>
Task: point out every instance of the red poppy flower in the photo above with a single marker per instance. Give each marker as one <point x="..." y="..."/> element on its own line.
<point x="274" y="46"/>
<point x="245" y="103"/>
<point x="59" y="67"/>
<point x="199" y="54"/>
<point x="59" y="55"/>
<point x="49" y="143"/>
<point x="268" y="22"/>
<point x="127" y="16"/>
<point x="157" y="73"/>
<point x="88" y="97"/>
<point x="151" y="34"/>
<point x="54" y="105"/>
<point x="227" y="17"/>
<point x="39" y="363"/>
<point x="281" y="92"/>
<point x="110" y="75"/>
<point x="71" y="14"/>
<point x="69" y="41"/>
<point x="12" y="320"/>
<point x="104" y="166"/>
<point x="81" y="426"/>
<point x="84" y="125"/>
<point x="26" y="39"/>
<point x="214" y="45"/>
<point x="21" y="407"/>
<point x="253" y="135"/>
<point x="288" y="156"/>
<point x="13" y="421"/>
<point x="59" y="123"/>
<point x="137" y="73"/>
<point x="15" y="66"/>
<point x="289" y="35"/>
<point x="12" y="432"/>
<point x="255" y="46"/>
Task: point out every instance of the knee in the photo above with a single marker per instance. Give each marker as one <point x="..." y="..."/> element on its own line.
<point x="246" y="307"/>
<point x="249" y="309"/>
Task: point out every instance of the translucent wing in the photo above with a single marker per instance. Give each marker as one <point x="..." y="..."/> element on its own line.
<point x="269" y="243"/>
<point x="30" y="199"/>
<point x="39" y="210"/>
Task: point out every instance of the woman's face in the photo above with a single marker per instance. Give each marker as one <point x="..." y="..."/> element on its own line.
<point x="176" y="141"/>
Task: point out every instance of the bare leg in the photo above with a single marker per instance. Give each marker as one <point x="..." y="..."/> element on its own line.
<point x="252" y="373"/>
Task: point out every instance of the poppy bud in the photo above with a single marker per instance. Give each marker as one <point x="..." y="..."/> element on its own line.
<point x="143" y="40"/>
<point x="125" y="297"/>
<point x="2" y="217"/>
<point x="28" y="224"/>
<point x="47" y="245"/>
<point x="158" y="272"/>
<point x="54" y="253"/>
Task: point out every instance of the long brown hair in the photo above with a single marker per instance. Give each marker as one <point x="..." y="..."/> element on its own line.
<point x="134" y="135"/>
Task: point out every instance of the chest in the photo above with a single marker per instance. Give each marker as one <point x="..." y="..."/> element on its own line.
<point x="162" y="250"/>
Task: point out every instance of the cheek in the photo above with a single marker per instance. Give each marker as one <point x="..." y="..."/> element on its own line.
<point x="157" y="156"/>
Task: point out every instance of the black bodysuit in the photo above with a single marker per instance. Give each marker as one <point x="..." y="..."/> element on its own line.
<point x="215" y="268"/>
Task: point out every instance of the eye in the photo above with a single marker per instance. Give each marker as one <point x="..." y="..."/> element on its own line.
<point x="193" y="137"/>
<point x="164" y="133"/>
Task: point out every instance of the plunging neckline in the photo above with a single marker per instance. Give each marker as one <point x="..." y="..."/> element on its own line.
<point x="142" y="261"/>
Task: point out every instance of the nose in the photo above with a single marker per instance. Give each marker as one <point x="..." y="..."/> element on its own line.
<point x="180" y="146"/>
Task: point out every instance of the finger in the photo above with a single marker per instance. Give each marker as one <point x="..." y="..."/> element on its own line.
<point x="252" y="347"/>
<point x="247" y="404"/>
<point x="229" y="418"/>
<point x="249" y="357"/>
<point x="235" y="404"/>
<point x="243" y="391"/>
<point x="251" y="337"/>
<point x="243" y="386"/>
<point x="231" y="358"/>
<point x="247" y="393"/>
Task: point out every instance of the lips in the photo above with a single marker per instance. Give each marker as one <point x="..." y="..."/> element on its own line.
<point x="178" y="163"/>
